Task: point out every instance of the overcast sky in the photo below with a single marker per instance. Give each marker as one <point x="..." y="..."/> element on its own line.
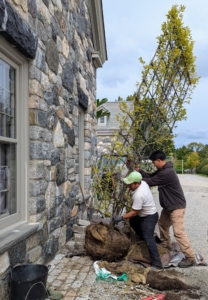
<point x="131" y="29"/>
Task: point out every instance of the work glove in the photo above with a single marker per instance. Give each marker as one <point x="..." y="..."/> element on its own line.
<point x="117" y="219"/>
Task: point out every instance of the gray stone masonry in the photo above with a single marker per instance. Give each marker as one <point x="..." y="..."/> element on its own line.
<point x="16" y="31"/>
<point x="76" y="245"/>
<point x="61" y="82"/>
<point x="82" y="223"/>
<point x="57" y="37"/>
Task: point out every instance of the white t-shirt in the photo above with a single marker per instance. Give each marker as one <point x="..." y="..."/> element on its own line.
<point x="143" y="200"/>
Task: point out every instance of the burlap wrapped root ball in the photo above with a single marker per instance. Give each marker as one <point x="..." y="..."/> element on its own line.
<point x="103" y="241"/>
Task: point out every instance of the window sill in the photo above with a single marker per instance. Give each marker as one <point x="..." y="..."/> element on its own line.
<point x="17" y="234"/>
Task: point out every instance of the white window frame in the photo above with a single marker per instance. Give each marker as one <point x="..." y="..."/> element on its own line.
<point x="17" y="61"/>
<point x="104" y="123"/>
<point x="81" y="148"/>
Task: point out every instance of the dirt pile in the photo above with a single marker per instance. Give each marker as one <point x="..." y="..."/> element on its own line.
<point x="105" y="242"/>
<point x="160" y="282"/>
<point x="165" y="282"/>
<point x="140" y="252"/>
<point x="173" y="288"/>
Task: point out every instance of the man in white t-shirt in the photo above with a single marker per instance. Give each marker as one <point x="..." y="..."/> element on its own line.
<point x="144" y="216"/>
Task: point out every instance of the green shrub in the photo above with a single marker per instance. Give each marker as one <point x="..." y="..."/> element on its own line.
<point x="205" y="170"/>
<point x="201" y="166"/>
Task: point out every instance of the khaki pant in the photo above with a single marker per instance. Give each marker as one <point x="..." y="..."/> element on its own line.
<point x="176" y="219"/>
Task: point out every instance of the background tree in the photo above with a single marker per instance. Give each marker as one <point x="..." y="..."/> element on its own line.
<point x="119" y="99"/>
<point x="130" y="98"/>
<point x="100" y="112"/>
<point x="182" y="153"/>
<point x="203" y="167"/>
<point x="192" y="161"/>
<point x="195" y="147"/>
<point x="203" y="152"/>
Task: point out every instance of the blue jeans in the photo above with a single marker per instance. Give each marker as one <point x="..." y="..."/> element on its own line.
<point x="144" y="228"/>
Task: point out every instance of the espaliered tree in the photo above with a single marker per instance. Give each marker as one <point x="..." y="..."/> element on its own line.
<point x="166" y="86"/>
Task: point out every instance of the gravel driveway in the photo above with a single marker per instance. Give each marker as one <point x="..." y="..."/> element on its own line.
<point x="195" y="188"/>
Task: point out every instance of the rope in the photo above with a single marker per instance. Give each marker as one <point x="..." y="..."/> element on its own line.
<point x="33" y="286"/>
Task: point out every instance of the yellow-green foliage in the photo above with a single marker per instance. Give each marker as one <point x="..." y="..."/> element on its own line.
<point x="192" y="160"/>
<point x="167" y="84"/>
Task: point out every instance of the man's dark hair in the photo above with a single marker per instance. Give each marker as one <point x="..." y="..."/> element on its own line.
<point x="158" y="154"/>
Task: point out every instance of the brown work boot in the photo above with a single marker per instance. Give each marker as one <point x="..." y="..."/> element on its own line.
<point x="186" y="263"/>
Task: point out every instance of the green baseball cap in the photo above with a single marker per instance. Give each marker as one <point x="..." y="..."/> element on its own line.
<point x="133" y="177"/>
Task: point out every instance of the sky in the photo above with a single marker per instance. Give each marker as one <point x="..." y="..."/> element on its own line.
<point x="131" y="30"/>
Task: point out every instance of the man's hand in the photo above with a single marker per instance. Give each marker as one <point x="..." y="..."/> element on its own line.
<point x="117" y="219"/>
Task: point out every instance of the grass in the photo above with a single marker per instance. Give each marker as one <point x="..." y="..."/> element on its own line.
<point x="204" y="175"/>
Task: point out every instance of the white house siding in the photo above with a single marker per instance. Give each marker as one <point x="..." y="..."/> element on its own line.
<point x="106" y="132"/>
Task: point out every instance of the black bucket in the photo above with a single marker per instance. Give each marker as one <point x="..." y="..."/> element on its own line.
<point x="28" y="282"/>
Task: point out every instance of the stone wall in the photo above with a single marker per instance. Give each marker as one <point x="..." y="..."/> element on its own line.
<point x="104" y="144"/>
<point x="62" y="79"/>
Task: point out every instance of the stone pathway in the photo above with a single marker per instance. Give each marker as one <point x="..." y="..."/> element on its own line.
<point x="73" y="276"/>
